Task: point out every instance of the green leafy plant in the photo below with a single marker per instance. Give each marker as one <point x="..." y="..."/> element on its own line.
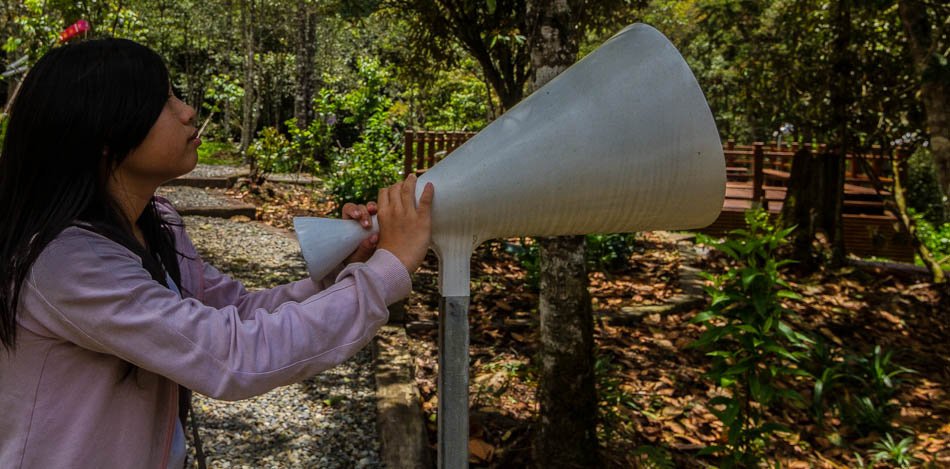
<point x="363" y="124"/>
<point x="923" y="190"/>
<point x="528" y="254"/>
<point x="935" y="237"/>
<point x="894" y="453"/>
<point x="609" y="252"/>
<point x="271" y="152"/>
<point x="604" y="253"/>
<point x="754" y="350"/>
<point x="218" y="153"/>
<point x="652" y="457"/>
<point x="860" y="388"/>
<point x="868" y="387"/>
<point x="827" y="368"/>
<point x="611" y="395"/>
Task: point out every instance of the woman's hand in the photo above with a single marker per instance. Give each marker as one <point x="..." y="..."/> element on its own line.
<point x="363" y="214"/>
<point x="404" y="229"/>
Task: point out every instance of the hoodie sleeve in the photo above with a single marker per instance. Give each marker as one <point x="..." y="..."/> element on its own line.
<point x="95" y="293"/>
<point x="213" y="288"/>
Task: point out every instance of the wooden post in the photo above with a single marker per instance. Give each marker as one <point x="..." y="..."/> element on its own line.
<point x="430" y="151"/>
<point x="876" y="164"/>
<point x="407" y="160"/>
<point x="440" y="145"/>
<point x="420" y="150"/>
<point x="758" y="177"/>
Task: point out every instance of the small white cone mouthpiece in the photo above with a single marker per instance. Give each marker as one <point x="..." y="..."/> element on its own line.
<point x="326" y="242"/>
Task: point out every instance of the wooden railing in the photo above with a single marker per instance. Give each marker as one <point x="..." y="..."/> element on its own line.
<point x="760" y="172"/>
<point x="424" y="148"/>
<point x="757" y="174"/>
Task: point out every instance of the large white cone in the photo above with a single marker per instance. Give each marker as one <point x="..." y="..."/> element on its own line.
<point x="621" y="141"/>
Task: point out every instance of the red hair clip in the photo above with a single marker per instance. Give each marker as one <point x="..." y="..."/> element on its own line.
<point x="73" y="30"/>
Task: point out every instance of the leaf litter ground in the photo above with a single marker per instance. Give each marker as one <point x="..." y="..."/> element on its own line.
<point x="652" y="387"/>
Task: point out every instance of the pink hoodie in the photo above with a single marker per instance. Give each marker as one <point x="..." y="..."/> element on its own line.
<point x="88" y="309"/>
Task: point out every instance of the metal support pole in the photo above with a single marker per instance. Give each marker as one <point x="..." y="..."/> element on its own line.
<point x="453" y="382"/>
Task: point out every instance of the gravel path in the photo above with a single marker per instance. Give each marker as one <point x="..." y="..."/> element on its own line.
<point x="328" y="421"/>
<point x="216" y="171"/>
<point x="184" y="196"/>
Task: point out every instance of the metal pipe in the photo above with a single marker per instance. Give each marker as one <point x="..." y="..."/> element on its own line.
<point x="453" y="382"/>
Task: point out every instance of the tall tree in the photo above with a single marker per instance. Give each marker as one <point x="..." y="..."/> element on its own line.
<point x="928" y="47"/>
<point x="490" y="32"/>
<point x="815" y="196"/>
<point x="305" y="44"/>
<point x="566" y="435"/>
<point x="247" y="28"/>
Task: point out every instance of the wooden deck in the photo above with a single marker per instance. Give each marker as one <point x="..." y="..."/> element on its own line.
<point x="757" y="172"/>
<point x="760" y="173"/>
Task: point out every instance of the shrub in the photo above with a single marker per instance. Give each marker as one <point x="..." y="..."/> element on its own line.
<point x="364" y="125"/>
<point x="922" y="188"/>
<point x="271" y="151"/>
<point x="609" y="252"/>
<point x="935" y="237"/>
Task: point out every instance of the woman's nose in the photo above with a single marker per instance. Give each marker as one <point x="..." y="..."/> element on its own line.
<point x="188" y="114"/>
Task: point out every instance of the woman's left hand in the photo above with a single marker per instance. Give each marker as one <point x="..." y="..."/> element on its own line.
<point x="364" y="215"/>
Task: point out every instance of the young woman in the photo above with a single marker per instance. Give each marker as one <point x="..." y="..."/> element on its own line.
<point x="108" y="316"/>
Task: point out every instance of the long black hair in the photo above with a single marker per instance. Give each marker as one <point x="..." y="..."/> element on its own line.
<point x="80" y="111"/>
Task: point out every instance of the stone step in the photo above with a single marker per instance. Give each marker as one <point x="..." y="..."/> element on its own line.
<point x="206" y="202"/>
<point x="213" y="176"/>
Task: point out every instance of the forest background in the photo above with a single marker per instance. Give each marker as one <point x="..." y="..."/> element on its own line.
<point x="328" y="87"/>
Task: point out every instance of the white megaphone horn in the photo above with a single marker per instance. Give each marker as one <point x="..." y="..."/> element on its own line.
<point x="621" y="141"/>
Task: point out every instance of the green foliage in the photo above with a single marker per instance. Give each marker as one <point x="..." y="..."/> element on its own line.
<point x="894" y="453"/>
<point x="605" y="253"/>
<point x="528" y="254"/>
<point x="762" y="63"/>
<point x="922" y="189"/>
<point x="271" y="151"/>
<point x="454" y="99"/>
<point x="652" y="457"/>
<point x="754" y="350"/>
<point x="866" y="400"/>
<point x="218" y="153"/>
<point x="367" y="119"/>
<point x="936" y="238"/>
<point x="860" y="388"/>
<point x="611" y="396"/>
<point x="609" y="252"/>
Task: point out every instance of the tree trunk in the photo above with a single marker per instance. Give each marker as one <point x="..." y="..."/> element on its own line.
<point x="226" y="112"/>
<point x="934" y="83"/>
<point x="842" y="99"/>
<point x="815" y="195"/>
<point x="567" y="432"/>
<point x="247" y="118"/>
<point x="303" y="93"/>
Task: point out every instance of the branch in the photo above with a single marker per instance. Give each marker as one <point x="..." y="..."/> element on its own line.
<point x="910" y="226"/>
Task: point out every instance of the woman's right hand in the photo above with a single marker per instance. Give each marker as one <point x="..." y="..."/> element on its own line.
<point x="405" y="229"/>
